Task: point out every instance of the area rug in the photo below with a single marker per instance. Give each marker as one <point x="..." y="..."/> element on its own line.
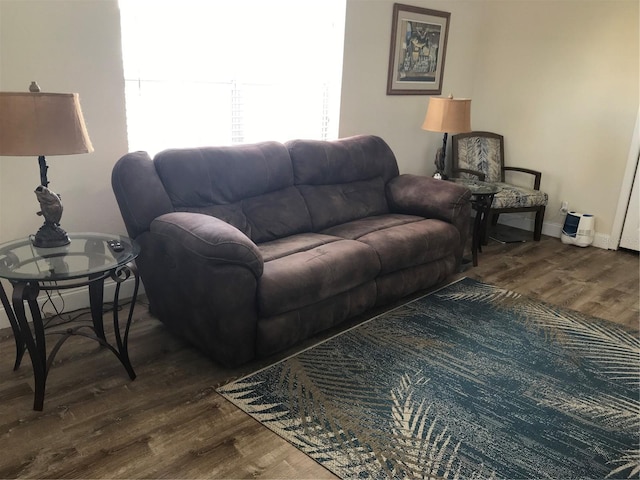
<point x="471" y="381"/>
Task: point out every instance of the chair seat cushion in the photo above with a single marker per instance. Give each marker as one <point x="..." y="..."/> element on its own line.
<point x="512" y="196"/>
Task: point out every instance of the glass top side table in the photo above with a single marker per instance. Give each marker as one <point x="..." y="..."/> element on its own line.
<point x="476" y="186"/>
<point x="88" y="260"/>
<point x="481" y="199"/>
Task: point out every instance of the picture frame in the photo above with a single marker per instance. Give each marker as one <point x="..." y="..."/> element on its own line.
<point x="418" y="50"/>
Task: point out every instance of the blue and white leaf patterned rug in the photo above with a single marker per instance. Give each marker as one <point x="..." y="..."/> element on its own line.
<point x="471" y="381"/>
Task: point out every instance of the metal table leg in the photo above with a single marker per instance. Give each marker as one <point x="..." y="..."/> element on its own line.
<point x="475" y="237"/>
<point x="481" y="204"/>
<point x="122" y="338"/>
<point x="17" y="334"/>
<point x="96" y="304"/>
<point x="35" y="342"/>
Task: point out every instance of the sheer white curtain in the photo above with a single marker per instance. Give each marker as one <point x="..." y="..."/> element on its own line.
<point x="221" y="72"/>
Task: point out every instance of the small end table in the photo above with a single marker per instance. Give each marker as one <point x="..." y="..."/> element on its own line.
<point x="88" y="260"/>
<point x="481" y="199"/>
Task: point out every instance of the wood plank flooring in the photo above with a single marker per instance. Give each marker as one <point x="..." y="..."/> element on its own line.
<point x="170" y="423"/>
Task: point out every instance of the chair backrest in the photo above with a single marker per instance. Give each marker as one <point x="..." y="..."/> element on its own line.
<point x="481" y="152"/>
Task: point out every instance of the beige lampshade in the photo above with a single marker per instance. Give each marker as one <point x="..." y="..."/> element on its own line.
<point x="34" y="124"/>
<point x="448" y="115"/>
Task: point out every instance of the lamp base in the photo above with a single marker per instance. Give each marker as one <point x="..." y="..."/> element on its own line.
<point x="50" y="235"/>
<point x="440" y="161"/>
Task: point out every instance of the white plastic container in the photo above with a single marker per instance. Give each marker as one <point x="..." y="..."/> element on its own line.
<point x="578" y="229"/>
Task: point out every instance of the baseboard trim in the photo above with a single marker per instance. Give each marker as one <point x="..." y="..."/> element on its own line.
<point x="548" y="228"/>
<point x="75" y="298"/>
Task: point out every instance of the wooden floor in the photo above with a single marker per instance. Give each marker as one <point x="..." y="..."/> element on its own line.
<point x="170" y="423"/>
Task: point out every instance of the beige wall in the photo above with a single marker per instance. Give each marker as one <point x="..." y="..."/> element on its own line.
<point x="67" y="46"/>
<point x="558" y="78"/>
<point x="365" y="106"/>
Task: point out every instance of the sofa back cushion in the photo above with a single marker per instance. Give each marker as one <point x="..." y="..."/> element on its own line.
<point x="248" y="186"/>
<point x="342" y="180"/>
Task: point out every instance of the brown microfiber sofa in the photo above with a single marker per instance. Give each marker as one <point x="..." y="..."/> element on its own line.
<point x="247" y="250"/>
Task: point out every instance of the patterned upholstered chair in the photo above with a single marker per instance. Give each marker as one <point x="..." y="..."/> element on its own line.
<point x="480" y="155"/>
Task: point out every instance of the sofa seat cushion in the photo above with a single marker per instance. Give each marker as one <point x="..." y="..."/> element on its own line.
<point x="281" y="331"/>
<point x="309" y="276"/>
<point x="293" y="244"/>
<point x="401" y="241"/>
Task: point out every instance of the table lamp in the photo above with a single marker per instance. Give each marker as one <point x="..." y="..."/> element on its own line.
<point x="447" y="114"/>
<point x="43" y="124"/>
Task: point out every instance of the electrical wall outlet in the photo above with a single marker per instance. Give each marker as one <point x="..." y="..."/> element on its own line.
<point x="564" y="208"/>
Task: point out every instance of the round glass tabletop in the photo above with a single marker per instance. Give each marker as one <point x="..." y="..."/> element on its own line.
<point x="87" y="254"/>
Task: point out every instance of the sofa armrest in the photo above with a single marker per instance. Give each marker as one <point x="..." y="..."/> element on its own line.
<point x="428" y="197"/>
<point x="210" y="239"/>
<point x="201" y="278"/>
<point x="139" y="191"/>
<point x="433" y="198"/>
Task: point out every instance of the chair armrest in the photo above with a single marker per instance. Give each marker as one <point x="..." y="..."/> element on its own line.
<point x="210" y="238"/>
<point x="535" y="173"/>
<point x="481" y="176"/>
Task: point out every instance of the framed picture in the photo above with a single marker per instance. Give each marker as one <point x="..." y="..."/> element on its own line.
<point x="418" y="50"/>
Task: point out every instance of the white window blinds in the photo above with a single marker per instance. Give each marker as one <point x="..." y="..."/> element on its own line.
<point x="223" y="72"/>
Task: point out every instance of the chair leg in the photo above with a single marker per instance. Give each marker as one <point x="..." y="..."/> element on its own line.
<point x="537" y="231"/>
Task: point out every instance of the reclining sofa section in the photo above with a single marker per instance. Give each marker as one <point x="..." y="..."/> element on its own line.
<point x="247" y="250"/>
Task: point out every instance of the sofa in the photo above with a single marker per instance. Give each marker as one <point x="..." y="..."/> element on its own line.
<point x="247" y="250"/>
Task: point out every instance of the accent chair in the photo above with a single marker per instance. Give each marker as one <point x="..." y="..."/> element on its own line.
<point x="480" y="155"/>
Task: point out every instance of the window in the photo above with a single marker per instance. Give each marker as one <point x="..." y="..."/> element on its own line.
<point x="223" y="72"/>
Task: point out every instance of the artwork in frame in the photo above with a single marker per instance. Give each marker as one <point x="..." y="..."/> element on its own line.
<point x="418" y="50"/>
